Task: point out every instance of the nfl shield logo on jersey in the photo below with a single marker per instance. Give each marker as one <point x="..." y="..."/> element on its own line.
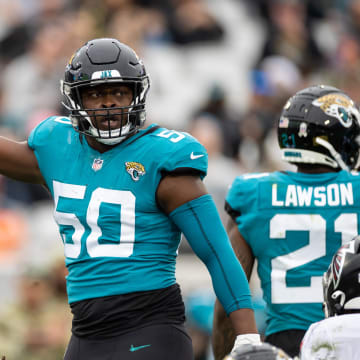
<point x="97" y="164"/>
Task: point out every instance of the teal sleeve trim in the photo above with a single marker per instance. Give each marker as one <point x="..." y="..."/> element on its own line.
<point x="200" y="223"/>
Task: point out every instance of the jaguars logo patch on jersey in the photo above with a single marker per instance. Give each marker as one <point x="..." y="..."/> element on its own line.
<point x="135" y="169"/>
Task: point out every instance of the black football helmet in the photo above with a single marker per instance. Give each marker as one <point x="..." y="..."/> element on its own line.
<point x="264" y="351"/>
<point x="341" y="282"/>
<point x="105" y="61"/>
<point x="320" y="125"/>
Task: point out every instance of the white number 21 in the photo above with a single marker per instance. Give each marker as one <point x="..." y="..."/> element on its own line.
<point x="346" y="224"/>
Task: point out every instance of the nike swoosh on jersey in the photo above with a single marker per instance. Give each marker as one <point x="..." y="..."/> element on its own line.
<point x="136" y="348"/>
<point x="193" y="156"/>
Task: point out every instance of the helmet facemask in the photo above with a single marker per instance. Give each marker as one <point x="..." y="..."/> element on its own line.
<point x="87" y="120"/>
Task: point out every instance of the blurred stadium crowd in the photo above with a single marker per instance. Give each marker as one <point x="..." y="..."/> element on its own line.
<point x="220" y="70"/>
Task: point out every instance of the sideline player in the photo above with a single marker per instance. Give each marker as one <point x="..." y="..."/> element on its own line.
<point x="337" y="336"/>
<point x="122" y="196"/>
<point x="293" y="222"/>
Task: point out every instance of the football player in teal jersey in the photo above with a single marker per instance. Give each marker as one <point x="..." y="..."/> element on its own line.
<point x="122" y="197"/>
<point x="293" y="222"/>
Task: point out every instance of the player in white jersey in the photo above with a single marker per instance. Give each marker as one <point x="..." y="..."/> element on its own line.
<point x="337" y="336"/>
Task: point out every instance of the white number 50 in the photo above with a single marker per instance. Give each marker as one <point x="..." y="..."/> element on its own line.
<point x="126" y="199"/>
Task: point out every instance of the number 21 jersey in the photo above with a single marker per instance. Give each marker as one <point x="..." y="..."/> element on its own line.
<point x="294" y="223"/>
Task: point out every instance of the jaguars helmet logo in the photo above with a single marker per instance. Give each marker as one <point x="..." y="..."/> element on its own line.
<point x="135" y="169"/>
<point x="337" y="106"/>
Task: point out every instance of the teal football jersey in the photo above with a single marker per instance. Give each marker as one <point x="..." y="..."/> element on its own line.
<point x="294" y="223"/>
<point x="115" y="237"/>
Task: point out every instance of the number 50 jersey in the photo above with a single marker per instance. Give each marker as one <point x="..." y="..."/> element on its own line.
<point x="116" y="238"/>
<point x="294" y="223"/>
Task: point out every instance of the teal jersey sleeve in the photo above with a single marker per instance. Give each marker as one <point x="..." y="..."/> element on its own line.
<point x="42" y="133"/>
<point x="242" y="199"/>
<point x="182" y="151"/>
<point x="47" y="141"/>
<point x="33" y="139"/>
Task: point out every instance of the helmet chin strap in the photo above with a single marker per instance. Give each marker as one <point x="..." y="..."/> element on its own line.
<point x="333" y="152"/>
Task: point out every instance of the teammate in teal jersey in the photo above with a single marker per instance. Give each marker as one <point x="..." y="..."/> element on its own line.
<point x="122" y="196"/>
<point x="293" y="222"/>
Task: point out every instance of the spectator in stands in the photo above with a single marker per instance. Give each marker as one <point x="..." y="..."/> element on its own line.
<point x="37" y="326"/>
<point x="191" y="22"/>
<point x="216" y="107"/>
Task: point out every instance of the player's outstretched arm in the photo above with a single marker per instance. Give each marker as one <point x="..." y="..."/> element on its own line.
<point x="223" y="335"/>
<point x="186" y="201"/>
<point x="18" y="161"/>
